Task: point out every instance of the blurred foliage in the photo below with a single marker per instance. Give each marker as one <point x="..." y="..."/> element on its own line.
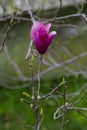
<point x="14" y="113"/>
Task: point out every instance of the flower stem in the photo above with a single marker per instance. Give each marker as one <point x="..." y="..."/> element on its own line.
<point x="39" y="70"/>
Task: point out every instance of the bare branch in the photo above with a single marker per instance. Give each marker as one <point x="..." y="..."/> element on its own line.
<point x="82" y="71"/>
<point x="64" y="110"/>
<point x="28" y="126"/>
<point x="39" y="71"/>
<point x="64" y="63"/>
<point x="29" y="50"/>
<point x="58" y="9"/>
<point x="16" y="68"/>
<point x="29" y="10"/>
<point x="71" y="16"/>
<point x="6" y="32"/>
<point x="50" y="93"/>
<point x="5" y="37"/>
<point x="78" y="92"/>
<point x="32" y="79"/>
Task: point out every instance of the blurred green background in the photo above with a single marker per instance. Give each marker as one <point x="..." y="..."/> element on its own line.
<point x="14" y="114"/>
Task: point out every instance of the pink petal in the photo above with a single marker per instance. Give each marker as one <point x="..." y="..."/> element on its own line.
<point x="51" y="36"/>
<point x="47" y="27"/>
<point x="37" y="25"/>
<point x="35" y="29"/>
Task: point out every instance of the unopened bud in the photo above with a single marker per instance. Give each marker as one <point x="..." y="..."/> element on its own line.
<point x="21" y="99"/>
<point x="26" y="94"/>
<point x="31" y="105"/>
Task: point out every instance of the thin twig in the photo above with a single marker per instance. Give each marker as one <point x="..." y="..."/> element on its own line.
<point x="39" y="70"/>
<point x="73" y="59"/>
<point x="33" y="20"/>
<point x="78" y="110"/>
<point x="7" y="30"/>
<point x="78" y="92"/>
<point x="57" y="19"/>
<point x="32" y="78"/>
<point x="29" y="10"/>
<point x="16" y="17"/>
<point x="28" y="126"/>
<point x="36" y="107"/>
<point x="64" y="110"/>
<point x="57" y="113"/>
<point x="69" y="53"/>
<point x="58" y="9"/>
<point x="15" y="66"/>
<point x="50" y="93"/>
<point x="70" y="16"/>
<point x="29" y="51"/>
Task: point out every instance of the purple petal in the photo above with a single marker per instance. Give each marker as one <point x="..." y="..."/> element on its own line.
<point x="51" y="36"/>
<point x="43" y="35"/>
<point x="40" y="46"/>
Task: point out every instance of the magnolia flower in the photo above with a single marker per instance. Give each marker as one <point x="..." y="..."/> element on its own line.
<point x="41" y="36"/>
